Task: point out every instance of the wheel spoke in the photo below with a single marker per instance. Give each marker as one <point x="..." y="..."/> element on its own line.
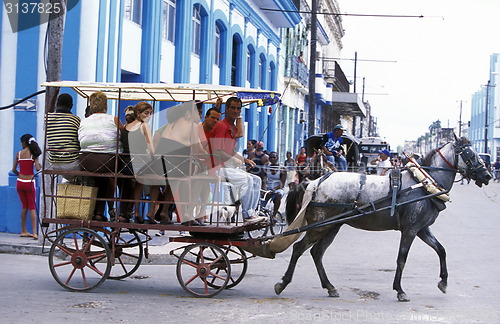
<point x="65" y="249"/>
<point x="88" y="244"/>
<point x="94" y="268"/>
<point x="70" y="275"/>
<point x="62" y="264"/>
<point x="215" y="261"/>
<point x="217" y="276"/>
<point x="187" y="282"/>
<point x="75" y="241"/>
<point x="84" y="278"/>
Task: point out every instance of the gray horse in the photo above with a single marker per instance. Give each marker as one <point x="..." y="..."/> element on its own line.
<point x="336" y="192"/>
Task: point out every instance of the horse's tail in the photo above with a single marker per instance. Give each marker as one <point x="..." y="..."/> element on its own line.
<point x="294" y="201"/>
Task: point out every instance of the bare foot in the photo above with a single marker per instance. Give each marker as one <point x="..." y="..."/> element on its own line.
<point x="35" y="237"/>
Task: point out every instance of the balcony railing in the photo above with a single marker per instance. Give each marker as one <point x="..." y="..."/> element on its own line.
<point x="297" y="70"/>
<point x="333" y="71"/>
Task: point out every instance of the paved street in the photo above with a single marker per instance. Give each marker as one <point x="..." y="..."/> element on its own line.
<point x="360" y="264"/>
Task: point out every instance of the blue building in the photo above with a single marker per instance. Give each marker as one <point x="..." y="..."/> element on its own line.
<point x="173" y="41"/>
<point x="485" y="113"/>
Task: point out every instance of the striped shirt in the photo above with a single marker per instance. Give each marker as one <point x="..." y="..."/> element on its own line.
<point x="62" y="135"/>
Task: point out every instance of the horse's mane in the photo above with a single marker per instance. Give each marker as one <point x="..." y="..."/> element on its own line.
<point x="428" y="158"/>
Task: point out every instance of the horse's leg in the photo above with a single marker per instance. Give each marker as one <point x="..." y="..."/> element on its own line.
<point x="404" y="247"/>
<point x="429" y="238"/>
<point x="317" y="252"/>
<point x="298" y="249"/>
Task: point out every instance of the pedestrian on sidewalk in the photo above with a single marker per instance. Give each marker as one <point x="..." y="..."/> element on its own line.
<point x="25" y="184"/>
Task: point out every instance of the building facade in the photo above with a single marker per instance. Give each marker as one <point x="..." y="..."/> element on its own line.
<point x="173" y="41"/>
<point x="256" y="44"/>
<point x="485" y="113"/>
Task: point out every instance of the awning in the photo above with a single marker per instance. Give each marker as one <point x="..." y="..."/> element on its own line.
<point x="179" y="92"/>
<point x="347" y="103"/>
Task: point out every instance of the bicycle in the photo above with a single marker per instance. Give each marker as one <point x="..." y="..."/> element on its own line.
<point x="274" y="225"/>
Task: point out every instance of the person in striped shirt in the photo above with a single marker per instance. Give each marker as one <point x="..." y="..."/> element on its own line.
<point x="62" y="136"/>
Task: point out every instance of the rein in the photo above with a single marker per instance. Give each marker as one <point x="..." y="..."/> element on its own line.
<point x="445" y="160"/>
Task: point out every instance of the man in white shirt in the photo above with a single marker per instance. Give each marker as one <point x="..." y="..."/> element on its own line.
<point x="383" y="163"/>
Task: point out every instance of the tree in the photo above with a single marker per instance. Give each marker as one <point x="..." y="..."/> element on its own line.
<point x="55" y="32"/>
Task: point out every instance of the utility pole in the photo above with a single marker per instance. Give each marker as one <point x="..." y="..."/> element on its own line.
<point x="460" y="121"/>
<point x="486" y="117"/>
<point x="54" y="52"/>
<point x="312" y="69"/>
<point x="355" y="70"/>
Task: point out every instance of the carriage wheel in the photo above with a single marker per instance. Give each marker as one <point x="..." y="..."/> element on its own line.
<point x="199" y="269"/>
<point x="128" y="253"/>
<point x="239" y="264"/>
<point x="79" y="259"/>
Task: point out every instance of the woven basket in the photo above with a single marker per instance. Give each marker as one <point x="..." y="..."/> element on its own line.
<point x="75" y="208"/>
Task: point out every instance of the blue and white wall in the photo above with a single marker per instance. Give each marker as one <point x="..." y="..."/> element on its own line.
<point x="478" y="112"/>
<point x="102" y="44"/>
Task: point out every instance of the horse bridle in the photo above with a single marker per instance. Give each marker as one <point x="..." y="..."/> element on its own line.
<point x="465" y="152"/>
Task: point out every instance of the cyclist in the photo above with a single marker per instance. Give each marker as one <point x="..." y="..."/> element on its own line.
<point x="273" y="181"/>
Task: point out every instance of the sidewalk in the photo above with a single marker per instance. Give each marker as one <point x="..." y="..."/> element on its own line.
<point x="159" y="247"/>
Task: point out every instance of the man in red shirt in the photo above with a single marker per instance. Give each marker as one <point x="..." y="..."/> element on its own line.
<point x="245" y="186"/>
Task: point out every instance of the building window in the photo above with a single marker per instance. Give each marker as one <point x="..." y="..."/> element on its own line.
<point x="250" y="64"/>
<point x="133" y="11"/>
<point x="196" y="29"/>
<point x="262" y="72"/>
<point x="169" y="20"/>
<point x="217" y="49"/>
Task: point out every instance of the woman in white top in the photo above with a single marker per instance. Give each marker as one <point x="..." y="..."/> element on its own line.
<point x="98" y="135"/>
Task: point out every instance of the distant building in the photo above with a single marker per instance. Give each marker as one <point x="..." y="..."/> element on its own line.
<point x="485" y="113"/>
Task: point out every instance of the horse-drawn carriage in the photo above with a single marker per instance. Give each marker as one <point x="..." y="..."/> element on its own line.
<point x="84" y="252"/>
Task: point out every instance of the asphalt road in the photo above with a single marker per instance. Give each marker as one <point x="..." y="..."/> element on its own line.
<point x="359" y="263"/>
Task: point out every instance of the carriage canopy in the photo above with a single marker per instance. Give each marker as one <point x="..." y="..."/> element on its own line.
<point x="178" y="92"/>
<point x="351" y="146"/>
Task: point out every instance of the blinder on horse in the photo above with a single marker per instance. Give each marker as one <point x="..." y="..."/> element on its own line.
<point x="475" y="165"/>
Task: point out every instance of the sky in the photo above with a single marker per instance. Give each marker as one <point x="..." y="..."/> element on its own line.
<point x="441" y="59"/>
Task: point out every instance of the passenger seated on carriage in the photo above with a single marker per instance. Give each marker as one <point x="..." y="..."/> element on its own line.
<point x="274" y="178"/>
<point x="98" y="142"/>
<point x="137" y="142"/>
<point x="332" y="146"/>
<point x="245" y="186"/>
<point x="62" y="136"/>
<point x="176" y="155"/>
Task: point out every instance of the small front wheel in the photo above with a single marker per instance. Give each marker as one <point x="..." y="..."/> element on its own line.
<point x="79" y="259"/>
<point x="199" y="269"/>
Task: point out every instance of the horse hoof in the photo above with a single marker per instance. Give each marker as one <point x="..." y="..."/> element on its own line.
<point x="278" y="288"/>
<point x="402" y="297"/>
<point x="442" y="286"/>
<point x="333" y="293"/>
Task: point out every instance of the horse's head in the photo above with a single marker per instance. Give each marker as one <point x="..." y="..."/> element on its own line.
<point x="470" y="164"/>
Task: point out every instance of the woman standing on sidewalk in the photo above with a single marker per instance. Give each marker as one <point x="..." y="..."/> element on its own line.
<point x="25" y="184"/>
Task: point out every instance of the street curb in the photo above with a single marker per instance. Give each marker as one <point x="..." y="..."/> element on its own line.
<point x="21" y="249"/>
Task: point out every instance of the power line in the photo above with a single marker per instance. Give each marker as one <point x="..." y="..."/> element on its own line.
<point x="345" y="14"/>
<point x="354" y="59"/>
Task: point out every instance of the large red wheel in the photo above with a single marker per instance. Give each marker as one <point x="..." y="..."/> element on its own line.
<point x="79" y="259"/>
<point x="203" y="269"/>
